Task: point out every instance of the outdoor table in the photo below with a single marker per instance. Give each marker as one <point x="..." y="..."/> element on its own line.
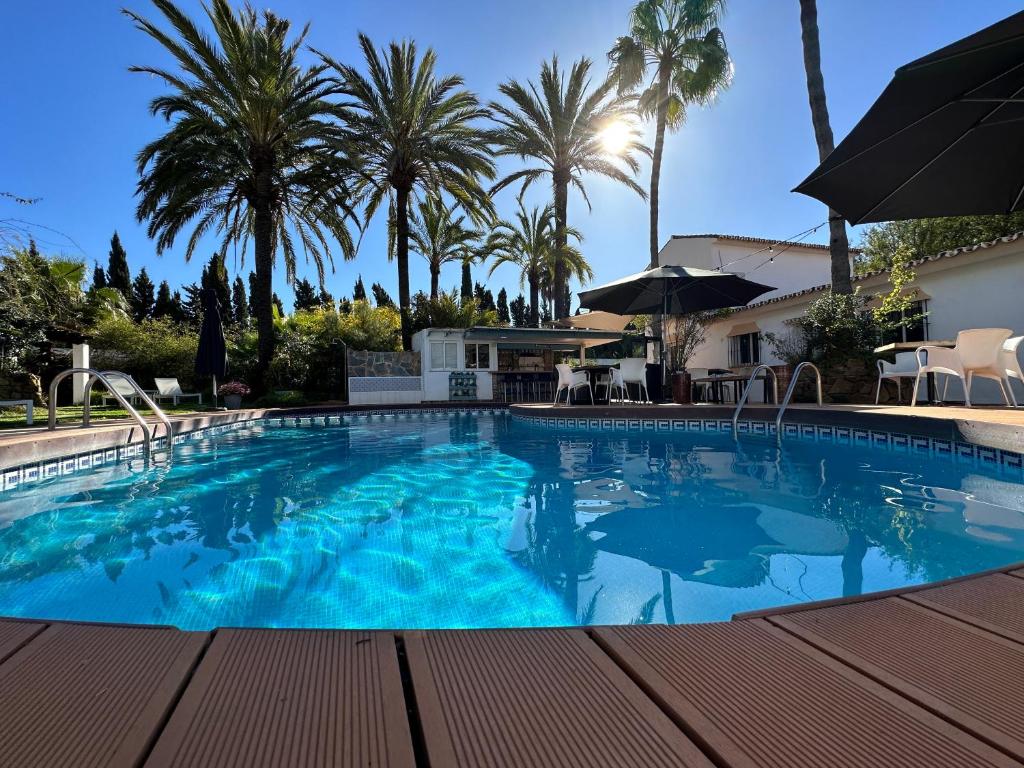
<point x="735" y="379"/>
<point x="913" y="346"/>
<point x="593" y="372"/>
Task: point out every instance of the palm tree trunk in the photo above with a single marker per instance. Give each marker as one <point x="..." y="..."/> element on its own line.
<point x="435" y="279"/>
<point x="534" y="281"/>
<point x="561" y="183"/>
<point x="659" y="147"/>
<point x="402" y="257"/>
<point x="839" y="245"/>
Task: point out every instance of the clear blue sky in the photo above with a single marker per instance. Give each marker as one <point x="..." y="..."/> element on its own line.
<point x="74" y="117"/>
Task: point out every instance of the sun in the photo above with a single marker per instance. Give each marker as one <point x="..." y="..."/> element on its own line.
<point x="616" y="136"/>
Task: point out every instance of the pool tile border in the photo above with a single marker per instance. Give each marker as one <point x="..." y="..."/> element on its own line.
<point x="18" y="476"/>
<point x="896" y="442"/>
<point x="15" y="477"/>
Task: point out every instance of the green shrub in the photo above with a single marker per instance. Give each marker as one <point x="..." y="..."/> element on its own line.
<point x="145" y="350"/>
<point x="835" y="327"/>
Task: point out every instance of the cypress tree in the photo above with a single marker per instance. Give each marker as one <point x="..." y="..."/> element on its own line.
<point x="252" y="292"/>
<point x="381" y="297"/>
<point x="163" y="307"/>
<point x="239" y="303"/>
<point x="326" y="299"/>
<point x="118" y="275"/>
<point x="305" y="296"/>
<point x="519" y="311"/>
<point x="467" y="281"/>
<point x="504" y="318"/>
<point x="359" y="291"/>
<point x="141" y="299"/>
<point x="345" y="306"/>
<point x="192" y="306"/>
<point x="99" y="277"/>
<point x="215" y="278"/>
<point x="279" y="304"/>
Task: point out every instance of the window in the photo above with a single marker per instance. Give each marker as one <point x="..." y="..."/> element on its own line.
<point x="745" y="349"/>
<point x="912" y="324"/>
<point x="478" y="356"/>
<point x="444" y="355"/>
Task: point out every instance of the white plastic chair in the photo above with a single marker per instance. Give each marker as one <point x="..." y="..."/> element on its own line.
<point x="978" y="352"/>
<point x="634" y="371"/>
<point x="171" y="388"/>
<point x="1011" y="364"/>
<point x="616" y="383"/>
<point x="904" y="367"/>
<point x="570" y="381"/>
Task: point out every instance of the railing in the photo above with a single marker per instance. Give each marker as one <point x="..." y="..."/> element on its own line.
<point x="746" y="393"/>
<point x="139" y="392"/>
<point x="104" y="379"/>
<point x="789" y="393"/>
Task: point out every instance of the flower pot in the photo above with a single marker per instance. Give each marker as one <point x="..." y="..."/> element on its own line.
<point x="681" y="388"/>
<point x="234" y="402"/>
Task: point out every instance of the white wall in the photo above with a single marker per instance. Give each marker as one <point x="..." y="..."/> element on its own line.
<point x="969" y="290"/>
<point x="435" y="382"/>
<point x="794" y="269"/>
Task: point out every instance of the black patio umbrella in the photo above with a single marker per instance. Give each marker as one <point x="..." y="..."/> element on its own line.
<point x="212" y="354"/>
<point x="945" y="138"/>
<point x="672" y="291"/>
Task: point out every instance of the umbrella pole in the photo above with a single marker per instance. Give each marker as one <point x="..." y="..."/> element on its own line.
<point x="214" y="391"/>
<point x="664" y="314"/>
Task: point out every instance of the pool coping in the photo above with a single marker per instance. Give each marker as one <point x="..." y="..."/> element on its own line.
<point x="405" y="682"/>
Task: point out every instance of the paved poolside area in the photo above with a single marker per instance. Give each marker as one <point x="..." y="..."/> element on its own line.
<point x="928" y="677"/>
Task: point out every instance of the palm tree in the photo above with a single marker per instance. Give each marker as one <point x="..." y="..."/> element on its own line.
<point x="413" y="132"/>
<point x="248" y="153"/>
<point x="678" y="43"/>
<point x="441" y="237"/>
<point x="528" y="243"/>
<point x="839" y="245"/>
<point x="559" y="126"/>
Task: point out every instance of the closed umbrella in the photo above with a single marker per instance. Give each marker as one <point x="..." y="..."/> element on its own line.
<point x="672" y="291"/>
<point x="212" y="354"/>
<point x="945" y="138"/>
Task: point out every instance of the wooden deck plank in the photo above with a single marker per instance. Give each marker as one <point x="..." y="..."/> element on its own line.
<point x="545" y="698"/>
<point x="965" y="674"/>
<point x="14" y="634"/>
<point x="91" y="695"/>
<point x="995" y="603"/>
<point x="291" y="697"/>
<point x="756" y="696"/>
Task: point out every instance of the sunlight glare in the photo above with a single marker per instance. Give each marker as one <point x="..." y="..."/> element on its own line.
<point x="616" y="136"/>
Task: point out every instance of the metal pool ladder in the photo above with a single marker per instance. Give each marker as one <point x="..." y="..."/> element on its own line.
<point x="104" y="377"/>
<point x="746" y="393"/>
<point x="789" y="393"/>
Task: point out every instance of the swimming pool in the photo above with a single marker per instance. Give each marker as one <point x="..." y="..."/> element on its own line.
<point x="463" y="520"/>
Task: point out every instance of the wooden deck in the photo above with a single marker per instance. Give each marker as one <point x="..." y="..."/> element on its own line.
<point x="921" y="677"/>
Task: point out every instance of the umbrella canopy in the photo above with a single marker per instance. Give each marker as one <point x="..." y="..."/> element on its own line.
<point x="672" y="291"/>
<point x="212" y="354"/>
<point x="596" y="321"/>
<point x="945" y="138"/>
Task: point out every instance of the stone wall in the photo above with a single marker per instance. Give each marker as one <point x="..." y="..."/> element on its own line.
<point x="383" y="363"/>
<point x="21" y="386"/>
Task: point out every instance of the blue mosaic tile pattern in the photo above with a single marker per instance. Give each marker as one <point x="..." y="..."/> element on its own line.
<point x="892" y="441"/>
<point x="14" y="477"/>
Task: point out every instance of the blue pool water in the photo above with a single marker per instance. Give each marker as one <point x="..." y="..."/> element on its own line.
<point x="479" y="521"/>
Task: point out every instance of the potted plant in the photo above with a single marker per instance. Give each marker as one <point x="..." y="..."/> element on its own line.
<point x="233" y="392"/>
<point x="688" y="332"/>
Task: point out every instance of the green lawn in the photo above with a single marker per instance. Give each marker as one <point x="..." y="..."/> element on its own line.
<point x="12" y="418"/>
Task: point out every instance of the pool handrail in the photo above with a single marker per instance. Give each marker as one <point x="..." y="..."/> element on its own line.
<point x="139" y="391"/>
<point x="92" y="373"/>
<point x="789" y="393"/>
<point x="746" y="393"/>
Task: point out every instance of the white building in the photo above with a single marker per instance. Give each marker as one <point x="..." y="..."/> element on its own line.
<point x="977" y="286"/>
